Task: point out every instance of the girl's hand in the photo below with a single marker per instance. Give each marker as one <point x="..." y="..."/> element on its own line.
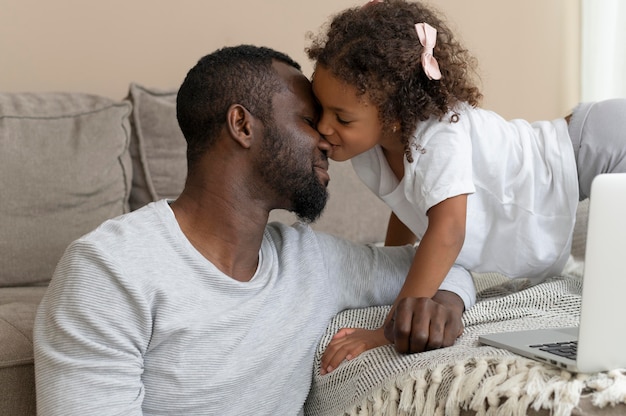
<point x="348" y="343"/>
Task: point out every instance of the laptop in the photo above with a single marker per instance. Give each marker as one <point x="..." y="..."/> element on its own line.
<point x="599" y="342"/>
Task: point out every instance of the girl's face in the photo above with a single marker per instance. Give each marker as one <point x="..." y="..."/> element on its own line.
<point x="348" y="122"/>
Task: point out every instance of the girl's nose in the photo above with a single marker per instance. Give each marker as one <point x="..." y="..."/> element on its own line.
<point x="323" y="126"/>
<point x="323" y="145"/>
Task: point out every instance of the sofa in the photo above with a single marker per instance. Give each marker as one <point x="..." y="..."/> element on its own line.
<point x="69" y="161"/>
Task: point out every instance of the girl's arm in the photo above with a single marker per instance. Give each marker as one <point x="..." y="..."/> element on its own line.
<point x="425" y="309"/>
<point x="437" y="250"/>
<point x="398" y="234"/>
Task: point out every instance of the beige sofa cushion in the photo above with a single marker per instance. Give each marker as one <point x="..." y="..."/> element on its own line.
<point x="158" y="147"/>
<point x="352" y="212"/>
<point x="65" y="168"/>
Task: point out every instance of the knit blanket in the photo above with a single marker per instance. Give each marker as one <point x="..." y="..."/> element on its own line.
<point x="468" y="375"/>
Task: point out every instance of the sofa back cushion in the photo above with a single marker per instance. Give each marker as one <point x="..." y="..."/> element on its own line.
<point x="65" y="168"/>
<point x="158" y="147"/>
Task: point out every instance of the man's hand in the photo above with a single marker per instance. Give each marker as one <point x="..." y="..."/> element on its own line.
<point x="421" y="324"/>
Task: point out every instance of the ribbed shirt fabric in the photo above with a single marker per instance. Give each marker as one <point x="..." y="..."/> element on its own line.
<point x="137" y="322"/>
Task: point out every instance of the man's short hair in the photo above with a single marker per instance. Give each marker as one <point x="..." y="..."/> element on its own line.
<point x="231" y="75"/>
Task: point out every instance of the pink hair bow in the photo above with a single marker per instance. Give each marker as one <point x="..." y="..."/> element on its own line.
<point x="428" y="37"/>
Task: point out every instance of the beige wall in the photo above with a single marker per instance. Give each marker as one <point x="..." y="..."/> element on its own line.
<point x="528" y="50"/>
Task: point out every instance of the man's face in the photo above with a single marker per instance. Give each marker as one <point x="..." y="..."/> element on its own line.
<point x="293" y="158"/>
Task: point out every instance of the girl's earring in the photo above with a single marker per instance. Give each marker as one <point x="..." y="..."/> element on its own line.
<point x="394" y="129"/>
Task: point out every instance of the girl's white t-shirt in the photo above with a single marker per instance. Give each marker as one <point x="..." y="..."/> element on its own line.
<point x="521" y="179"/>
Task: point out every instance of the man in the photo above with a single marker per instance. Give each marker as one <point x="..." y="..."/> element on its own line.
<point x="196" y="307"/>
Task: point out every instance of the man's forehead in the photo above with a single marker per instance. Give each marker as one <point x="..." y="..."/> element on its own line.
<point x="295" y="83"/>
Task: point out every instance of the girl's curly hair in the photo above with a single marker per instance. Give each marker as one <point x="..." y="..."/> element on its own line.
<point x="376" y="49"/>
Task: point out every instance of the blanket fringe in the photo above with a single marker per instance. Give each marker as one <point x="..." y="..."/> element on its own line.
<point x="406" y="398"/>
<point x="431" y="395"/>
<point x="489" y="387"/>
<point x="454" y="395"/>
<point x="610" y="388"/>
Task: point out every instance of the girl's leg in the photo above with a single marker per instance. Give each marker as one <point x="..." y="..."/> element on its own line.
<point x="598" y="133"/>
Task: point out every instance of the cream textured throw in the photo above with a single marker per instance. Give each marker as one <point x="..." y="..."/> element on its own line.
<point x="468" y="375"/>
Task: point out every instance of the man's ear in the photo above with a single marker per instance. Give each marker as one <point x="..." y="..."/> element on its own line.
<point x="239" y="122"/>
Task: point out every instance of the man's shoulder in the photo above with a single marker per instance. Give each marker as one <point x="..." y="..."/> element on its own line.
<point x="280" y="232"/>
<point x="131" y="228"/>
<point x="301" y="236"/>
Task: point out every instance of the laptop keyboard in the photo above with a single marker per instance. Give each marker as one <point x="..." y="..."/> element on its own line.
<point x="563" y="349"/>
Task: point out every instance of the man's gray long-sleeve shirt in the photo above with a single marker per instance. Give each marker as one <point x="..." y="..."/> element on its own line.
<point x="137" y="322"/>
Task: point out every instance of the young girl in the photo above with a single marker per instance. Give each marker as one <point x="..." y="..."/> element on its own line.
<point x="478" y="192"/>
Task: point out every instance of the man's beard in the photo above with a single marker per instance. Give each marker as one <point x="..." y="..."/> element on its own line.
<point x="284" y="169"/>
<point x="309" y="202"/>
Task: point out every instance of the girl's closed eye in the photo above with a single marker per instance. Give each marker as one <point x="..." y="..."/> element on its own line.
<point x="342" y="121"/>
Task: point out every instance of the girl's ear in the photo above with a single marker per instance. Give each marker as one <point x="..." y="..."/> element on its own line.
<point x="239" y="123"/>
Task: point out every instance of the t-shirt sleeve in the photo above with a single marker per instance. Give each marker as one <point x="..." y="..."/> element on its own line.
<point x="442" y="162"/>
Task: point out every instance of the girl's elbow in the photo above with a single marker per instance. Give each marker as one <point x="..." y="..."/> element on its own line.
<point x="455" y="238"/>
